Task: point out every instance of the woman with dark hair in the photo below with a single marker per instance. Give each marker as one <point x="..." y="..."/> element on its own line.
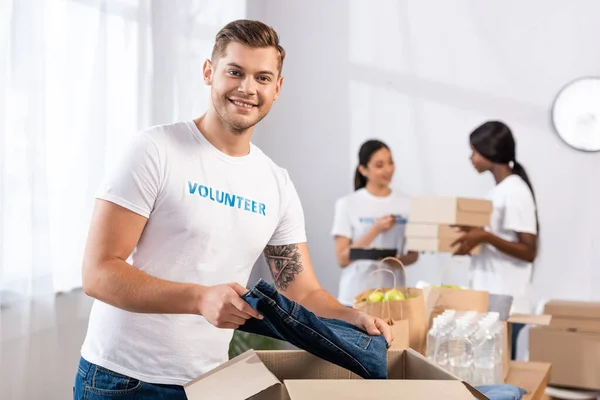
<point x="505" y="263"/>
<point x="373" y="216"/>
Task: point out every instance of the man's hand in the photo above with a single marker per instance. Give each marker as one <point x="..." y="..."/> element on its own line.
<point x="223" y="307"/>
<point x="472" y="238"/>
<point x="373" y="326"/>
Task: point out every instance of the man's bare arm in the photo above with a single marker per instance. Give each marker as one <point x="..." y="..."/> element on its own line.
<point x="107" y="276"/>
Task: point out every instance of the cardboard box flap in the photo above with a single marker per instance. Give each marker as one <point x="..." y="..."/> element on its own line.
<point x="573" y="309"/>
<point x="217" y="383"/>
<point x="531" y="376"/>
<point x="530" y="319"/>
<point x="299" y="364"/>
<point x="376" y="389"/>
<point x="418" y="367"/>
<point x="477" y="206"/>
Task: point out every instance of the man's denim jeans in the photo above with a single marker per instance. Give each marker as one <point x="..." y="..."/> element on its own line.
<point x="335" y="341"/>
<point x="96" y="383"/>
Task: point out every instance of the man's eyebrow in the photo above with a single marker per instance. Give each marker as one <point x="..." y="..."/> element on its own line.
<point x="265" y="72"/>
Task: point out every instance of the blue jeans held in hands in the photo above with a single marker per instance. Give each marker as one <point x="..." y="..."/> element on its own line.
<point x="96" y="383"/>
<point x="335" y="341"/>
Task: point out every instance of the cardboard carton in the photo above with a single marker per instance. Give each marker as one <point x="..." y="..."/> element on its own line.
<point x="417" y="230"/>
<point x="450" y="211"/>
<point x="527" y="319"/>
<point x="575" y="356"/>
<point x="574" y="315"/>
<point x="571" y="343"/>
<point x="437" y="245"/>
<point x="298" y="375"/>
<point x="531" y="376"/>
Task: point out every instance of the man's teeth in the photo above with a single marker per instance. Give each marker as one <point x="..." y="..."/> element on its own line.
<point x="237" y="103"/>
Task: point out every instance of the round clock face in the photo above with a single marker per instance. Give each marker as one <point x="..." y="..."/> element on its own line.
<point x="576" y="114"/>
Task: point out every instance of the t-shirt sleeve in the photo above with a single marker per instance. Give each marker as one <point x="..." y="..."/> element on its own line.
<point x="342" y="225"/>
<point x="520" y="212"/>
<point x="134" y="181"/>
<point x="291" y="227"/>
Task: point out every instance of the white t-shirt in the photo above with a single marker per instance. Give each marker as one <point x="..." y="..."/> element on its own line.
<point x="210" y="218"/>
<point x="495" y="271"/>
<point x="354" y="216"/>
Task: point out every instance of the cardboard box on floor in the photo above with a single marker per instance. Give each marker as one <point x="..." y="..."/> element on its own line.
<point x="571" y="343"/>
<point x="443" y="210"/>
<point x="298" y="375"/>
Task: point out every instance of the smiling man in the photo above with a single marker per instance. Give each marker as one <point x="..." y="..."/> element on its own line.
<point x="195" y="204"/>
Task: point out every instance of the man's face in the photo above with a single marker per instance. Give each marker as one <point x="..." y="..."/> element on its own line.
<point x="244" y="83"/>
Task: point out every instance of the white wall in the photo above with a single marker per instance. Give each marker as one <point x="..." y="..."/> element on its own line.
<point x="420" y="75"/>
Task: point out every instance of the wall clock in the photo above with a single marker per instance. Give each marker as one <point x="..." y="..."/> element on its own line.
<point x="576" y="114"/>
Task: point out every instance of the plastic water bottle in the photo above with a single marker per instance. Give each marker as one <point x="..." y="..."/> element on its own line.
<point x="485" y="351"/>
<point x="446" y="329"/>
<point x="460" y="348"/>
<point x="499" y="340"/>
<point x="432" y="338"/>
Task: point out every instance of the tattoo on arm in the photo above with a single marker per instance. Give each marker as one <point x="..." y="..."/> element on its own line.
<point x="284" y="263"/>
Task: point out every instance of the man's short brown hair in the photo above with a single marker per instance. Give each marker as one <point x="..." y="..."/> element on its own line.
<point x="249" y="33"/>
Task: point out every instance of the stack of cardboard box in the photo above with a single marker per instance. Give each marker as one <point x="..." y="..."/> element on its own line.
<point x="433" y="220"/>
<point x="571" y="343"/>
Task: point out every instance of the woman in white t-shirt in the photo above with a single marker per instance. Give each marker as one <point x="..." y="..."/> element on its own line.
<point x="373" y="216"/>
<point x="509" y="244"/>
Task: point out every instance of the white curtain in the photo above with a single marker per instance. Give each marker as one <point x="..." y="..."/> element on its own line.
<point x="77" y="79"/>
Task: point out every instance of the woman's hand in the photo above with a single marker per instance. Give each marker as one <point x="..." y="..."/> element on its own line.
<point x="384" y="224"/>
<point x="471" y="239"/>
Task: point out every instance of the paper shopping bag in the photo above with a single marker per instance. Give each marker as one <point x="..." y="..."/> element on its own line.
<point x="410" y="308"/>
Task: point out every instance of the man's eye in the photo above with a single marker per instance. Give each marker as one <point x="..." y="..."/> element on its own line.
<point x="234" y="73"/>
<point x="264" y="79"/>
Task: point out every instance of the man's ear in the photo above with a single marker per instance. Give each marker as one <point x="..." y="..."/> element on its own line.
<point x="207" y="71"/>
<point x="278" y="87"/>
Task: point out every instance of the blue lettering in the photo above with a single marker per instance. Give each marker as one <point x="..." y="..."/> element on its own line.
<point x="204" y="189"/>
<point x="230" y="199"/>
<point x="192" y="188"/>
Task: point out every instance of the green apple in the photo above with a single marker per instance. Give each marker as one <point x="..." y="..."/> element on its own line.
<point x="375" y="297"/>
<point x="393" y="295"/>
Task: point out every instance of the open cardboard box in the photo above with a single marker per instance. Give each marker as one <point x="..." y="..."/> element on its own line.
<point x="527" y="319"/>
<point x="531" y="376"/>
<point x="298" y="375"/>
